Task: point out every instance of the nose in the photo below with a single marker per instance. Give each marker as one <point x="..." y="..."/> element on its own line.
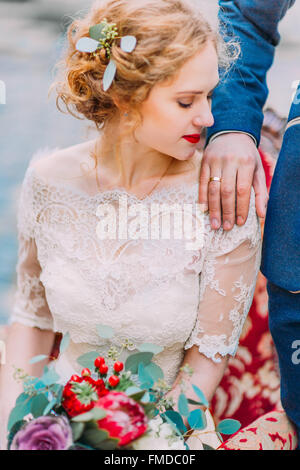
<point x="204" y="118"/>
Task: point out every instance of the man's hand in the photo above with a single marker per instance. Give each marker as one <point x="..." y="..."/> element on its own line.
<point x="234" y="158"/>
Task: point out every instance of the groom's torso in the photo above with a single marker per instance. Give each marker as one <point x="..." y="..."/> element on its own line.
<point x="281" y="247"/>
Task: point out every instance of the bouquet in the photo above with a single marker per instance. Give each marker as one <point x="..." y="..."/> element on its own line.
<point x="110" y="405"/>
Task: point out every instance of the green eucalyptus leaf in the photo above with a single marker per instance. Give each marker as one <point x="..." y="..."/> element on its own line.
<point x="128" y="43"/>
<point x="87" y="360"/>
<point x="207" y="447"/>
<point x="200" y="395"/>
<point x="77" y="430"/>
<point x="98" y="413"/>
<point x="105" y="331"/>
<point x="109" y="75"/>
<point x="57" y="390"/>
<point x="96" y="31"/>
<point x="15" y="428"/>
<point x="149" y="347"/>
<point x="23" y="397"/>
<point x="144" y="377"/>
<point x="109" y="444"/>
<point x="50" y="377"/>
<point x="93" y="436"/>
<point x="146" y="398"/>
<point x="193" y="402"/>
<point x="39" y="358"/>
<point x="132" y="390"/>
<point x="197" y="419"/>
<point x="93" y="415"/>
<point x="49" y="407"/>
<point x="155" y="371"/>
<point x="176" y="419"/>
<point x="80" y="446"/>
<point x="137" y="395"/>
<point x="228" y="426"/>
<point x="183" y="405"/>
<point x="87" y="45"/>
<point x="38" y="405"/>
<point x="133" y="361"/>
<point x="18" y="412"/>
<point x="64" y="343"/>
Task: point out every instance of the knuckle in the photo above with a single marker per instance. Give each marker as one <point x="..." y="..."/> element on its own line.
<point x="250" y="160"/>
<point x="229" y="158"/>
<point x="227" y="191"/>
<point x="242" y="190"/>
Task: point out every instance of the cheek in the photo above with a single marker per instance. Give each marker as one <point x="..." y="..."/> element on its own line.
<point x="162" y="118"/>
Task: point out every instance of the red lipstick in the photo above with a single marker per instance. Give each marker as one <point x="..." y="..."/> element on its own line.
<point x="193" y="138"/>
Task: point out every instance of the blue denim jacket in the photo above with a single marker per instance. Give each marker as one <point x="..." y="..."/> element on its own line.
<point x="238" y="104"/>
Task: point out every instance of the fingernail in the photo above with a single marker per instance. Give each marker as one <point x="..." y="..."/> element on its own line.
<point x="240" y="220"/>
<point x="227" y="225"/>
<point x="215" y="223"/>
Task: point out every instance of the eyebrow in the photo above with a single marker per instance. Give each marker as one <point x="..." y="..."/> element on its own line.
<point x="196" y="92"/>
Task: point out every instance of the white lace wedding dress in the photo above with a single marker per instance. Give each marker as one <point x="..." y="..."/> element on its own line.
<point x="147" y="290"/>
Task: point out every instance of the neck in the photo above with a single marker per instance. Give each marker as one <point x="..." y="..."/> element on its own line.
<point x="129" y="163"/>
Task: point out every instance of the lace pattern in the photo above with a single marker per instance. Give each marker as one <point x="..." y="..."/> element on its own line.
<point x="148" y="290"/>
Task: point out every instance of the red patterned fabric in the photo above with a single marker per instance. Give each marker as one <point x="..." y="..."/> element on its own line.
<point x="251" y="384"/>
<point x="272" y="431"/>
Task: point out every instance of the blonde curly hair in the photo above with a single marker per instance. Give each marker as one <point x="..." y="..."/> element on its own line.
<point x="168" y="33"/>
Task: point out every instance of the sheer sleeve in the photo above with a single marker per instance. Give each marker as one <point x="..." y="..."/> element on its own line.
<point x="30" y="305"/>
<point x="227" y="284"/>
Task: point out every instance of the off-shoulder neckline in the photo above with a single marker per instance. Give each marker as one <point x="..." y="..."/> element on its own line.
<point x="185" y="186"/>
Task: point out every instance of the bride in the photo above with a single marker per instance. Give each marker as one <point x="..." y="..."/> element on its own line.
<point x="150" y="98"/>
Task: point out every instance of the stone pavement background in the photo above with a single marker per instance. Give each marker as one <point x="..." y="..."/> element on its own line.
<point x="31" y="39"/>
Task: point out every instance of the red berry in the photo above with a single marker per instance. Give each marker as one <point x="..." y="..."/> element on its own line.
<point x="113" y="380"/>
<point x="75" y="378"/>
<point x="103" y="369"/>
<point x="99" y="361"/>
<point x="118" y="366"/>
<point x="85" y="372"/>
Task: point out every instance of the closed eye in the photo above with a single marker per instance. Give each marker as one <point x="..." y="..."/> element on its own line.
<point x="183" y="105"/>
<point x="189" y="105"/>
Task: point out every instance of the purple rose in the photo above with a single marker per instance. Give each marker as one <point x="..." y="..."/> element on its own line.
<point x="44" y="433"/>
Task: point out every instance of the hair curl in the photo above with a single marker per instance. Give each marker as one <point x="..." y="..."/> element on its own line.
<point x="168" y="32"/>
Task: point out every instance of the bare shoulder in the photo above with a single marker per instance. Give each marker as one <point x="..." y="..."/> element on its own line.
<point x="64" y="163"/>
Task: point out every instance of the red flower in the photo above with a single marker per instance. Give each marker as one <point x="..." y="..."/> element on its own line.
<point x="125" y="418"/>
<point x="80" y="395"/>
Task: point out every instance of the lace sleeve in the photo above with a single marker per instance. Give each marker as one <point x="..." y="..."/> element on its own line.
<point x="30" y="305"/>
<point x="227" y="284"/>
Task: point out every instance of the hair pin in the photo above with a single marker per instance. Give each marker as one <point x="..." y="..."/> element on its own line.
<point x="102" y="38"/>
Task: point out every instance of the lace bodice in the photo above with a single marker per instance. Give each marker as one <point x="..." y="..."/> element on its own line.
<point x="70" y="278"/>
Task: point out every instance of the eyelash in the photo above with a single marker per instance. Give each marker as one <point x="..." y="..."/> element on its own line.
<point x="182" y="105"/>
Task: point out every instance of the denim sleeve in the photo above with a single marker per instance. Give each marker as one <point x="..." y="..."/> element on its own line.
<point x="239" y="99"/>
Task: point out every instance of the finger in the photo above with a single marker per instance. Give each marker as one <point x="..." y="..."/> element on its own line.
<point x="243" y="193"/>
<point x="214" y="200"/>
<point x="228" y="196"/>
<point x="261" y="192"/>
<point x="203" y="185"/>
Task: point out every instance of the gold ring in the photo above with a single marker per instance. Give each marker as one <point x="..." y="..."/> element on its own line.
<point x="215" y="178"/>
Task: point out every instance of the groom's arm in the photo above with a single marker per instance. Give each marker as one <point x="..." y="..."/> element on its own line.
<point x="237" y="109"/>
<point x="239" y="100"/>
